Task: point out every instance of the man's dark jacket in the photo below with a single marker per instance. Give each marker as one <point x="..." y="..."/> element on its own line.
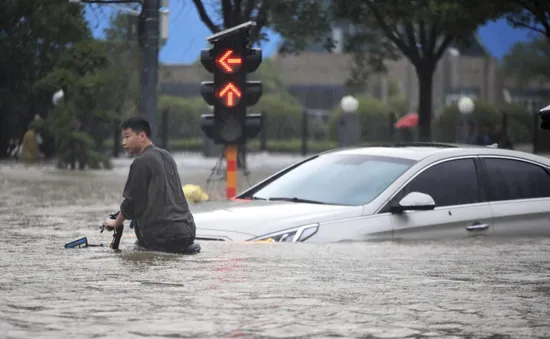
<point x="154" y="200"/>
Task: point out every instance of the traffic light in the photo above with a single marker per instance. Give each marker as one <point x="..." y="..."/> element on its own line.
<point x="230" y="60"/>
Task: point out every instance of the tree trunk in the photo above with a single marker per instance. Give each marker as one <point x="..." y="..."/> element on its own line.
<point x="425" y="76"/>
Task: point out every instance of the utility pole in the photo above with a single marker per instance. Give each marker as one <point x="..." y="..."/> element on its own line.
<point x="148" y="28"/>
<point x="149" y="23"/>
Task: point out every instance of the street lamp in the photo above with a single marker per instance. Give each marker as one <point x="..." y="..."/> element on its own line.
<point x="57" y="97"/>
<point x="466" y="105"/>
<point x="349" y="127"/>
<point x="349" y="104"/>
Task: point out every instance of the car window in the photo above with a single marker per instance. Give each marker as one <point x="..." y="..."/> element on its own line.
<point x="449" y="183"/>
<point x="514" y="179"/>
<point x="342" y="179"/>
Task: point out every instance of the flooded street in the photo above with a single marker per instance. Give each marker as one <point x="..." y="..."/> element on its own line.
<point x="497" y="288"/>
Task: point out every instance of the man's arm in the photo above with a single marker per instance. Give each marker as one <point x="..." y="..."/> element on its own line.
<point x="135" y="191"/>
<point x="119" y="220"/>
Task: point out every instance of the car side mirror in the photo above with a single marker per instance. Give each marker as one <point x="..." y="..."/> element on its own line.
<point x="414" y="201"/>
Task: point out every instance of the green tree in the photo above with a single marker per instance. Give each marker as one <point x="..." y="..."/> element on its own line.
<point x="530" y="14"/>
<point x="421" y="31"/>
<point x="300" y="22"/>
<point x="33" y="36"/>
<point x="124" y="63"/>
<point x="527" y="61"/>
<point x="79" y="124"/>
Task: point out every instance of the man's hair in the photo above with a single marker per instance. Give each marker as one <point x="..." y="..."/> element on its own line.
<point x="138" y="124"/>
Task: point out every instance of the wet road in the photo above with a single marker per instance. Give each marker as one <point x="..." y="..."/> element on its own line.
<point x="455" y="289"/>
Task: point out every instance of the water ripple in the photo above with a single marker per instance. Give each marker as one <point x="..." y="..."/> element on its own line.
<point x="453" y="289"/>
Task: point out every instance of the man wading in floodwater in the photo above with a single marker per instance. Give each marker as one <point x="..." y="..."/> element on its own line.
<point x="153" y="197"/>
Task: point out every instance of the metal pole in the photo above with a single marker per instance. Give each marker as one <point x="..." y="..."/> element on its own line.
<point x="535" y="133"/>
<point x="391" y="127"/>
<point x="231" y="171"/>
<point x="164" y="129"/>
<point x="263" y="135"/>
<point x="116" y="140"/>
<point x="305" y="132"/>
<point x="149" y="42"/>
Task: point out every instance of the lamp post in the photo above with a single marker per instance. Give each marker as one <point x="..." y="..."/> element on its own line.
<point x="349" y="127"/>
<point x="466" y="107"/>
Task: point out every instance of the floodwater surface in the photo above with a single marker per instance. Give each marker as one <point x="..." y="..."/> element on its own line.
<point x="496" y="288"/>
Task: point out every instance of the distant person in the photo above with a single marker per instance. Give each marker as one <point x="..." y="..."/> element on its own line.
<point x="78" y="152"/>
<point x="13" y="149"/>
<point x="39" y="122"/>
<point x="501" y="138"/>
<point x="485" y="137"/>
<point x="407" y="134"/>
<point x="30" y="151"/>
<point x="468" y="133"/>
<point x="153" y="196"/>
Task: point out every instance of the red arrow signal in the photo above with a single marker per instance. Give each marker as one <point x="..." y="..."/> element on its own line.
<point x="229" y="64"/>
<point x="230" y="95"/>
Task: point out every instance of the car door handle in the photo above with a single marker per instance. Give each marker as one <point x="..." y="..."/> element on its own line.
<point x="477" y="227"/>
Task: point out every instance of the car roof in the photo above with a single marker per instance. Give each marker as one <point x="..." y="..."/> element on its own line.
<point x="422" y="150"/>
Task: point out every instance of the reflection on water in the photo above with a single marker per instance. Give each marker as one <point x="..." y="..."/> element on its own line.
<point x="460" y="289"/>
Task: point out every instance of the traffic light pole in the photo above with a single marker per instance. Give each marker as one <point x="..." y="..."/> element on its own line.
<point x="231" y="171"/>
<point x="230" y="59"/>
<point x="149" y="41"/>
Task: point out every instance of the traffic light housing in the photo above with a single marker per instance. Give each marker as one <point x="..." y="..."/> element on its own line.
<point x="230" y="60"/>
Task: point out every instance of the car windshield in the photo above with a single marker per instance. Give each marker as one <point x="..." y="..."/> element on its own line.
<point x="339" y="179"/>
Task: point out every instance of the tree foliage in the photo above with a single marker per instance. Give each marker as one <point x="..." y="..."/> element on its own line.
<point x="527" y="61"/>
<point x="33" y="36"/>
<point x="124" y="65"/>
<point x="84" y="75"/>
<point x="530" y="14"/>
<point x="422" y="31"/>
<point x="300" y="22"/>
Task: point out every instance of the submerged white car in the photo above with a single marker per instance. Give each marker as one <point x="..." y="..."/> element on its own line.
<point x="408" y="191"/>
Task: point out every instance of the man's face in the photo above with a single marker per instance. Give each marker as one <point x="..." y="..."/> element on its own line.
<point x="132" y="141"/>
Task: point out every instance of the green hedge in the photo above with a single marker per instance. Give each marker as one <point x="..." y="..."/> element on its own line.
<point x="283" y="114"/>
<point x="520" y="122"/>
<point x="374" y="116"/>
<point x="273" y="146"/>
<point x="183" y="115"/>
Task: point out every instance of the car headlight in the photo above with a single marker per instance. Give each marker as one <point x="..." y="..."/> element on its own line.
<point x="297" y="234"/>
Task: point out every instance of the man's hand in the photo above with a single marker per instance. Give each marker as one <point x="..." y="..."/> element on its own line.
<point x="111" y="224"/>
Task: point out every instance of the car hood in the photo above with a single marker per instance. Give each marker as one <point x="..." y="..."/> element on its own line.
<point x="259" y="217"/>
